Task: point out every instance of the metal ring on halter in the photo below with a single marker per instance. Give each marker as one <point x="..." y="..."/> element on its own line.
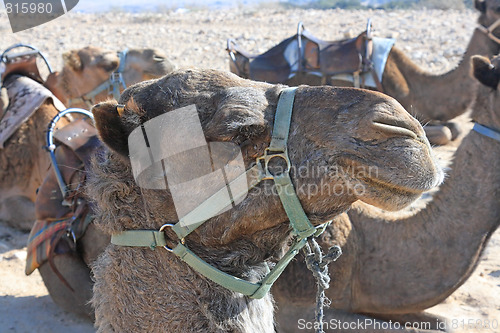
<point x="263" y="162"/>
<point x="51" y="146"/>
<point x="169" y="225"/>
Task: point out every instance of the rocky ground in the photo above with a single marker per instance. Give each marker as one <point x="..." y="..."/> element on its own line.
<point x="435" y="40"/>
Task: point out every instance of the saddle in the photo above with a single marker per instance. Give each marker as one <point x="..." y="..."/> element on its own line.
<point x="22" y="60"/>
<point x="62" y="219"/>
<point x="25" y="63"/>
<point x="304" y="53"/>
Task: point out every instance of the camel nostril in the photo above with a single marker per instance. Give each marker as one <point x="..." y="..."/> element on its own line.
<point x="394" y="128"/>
<point x="97" y="105"/>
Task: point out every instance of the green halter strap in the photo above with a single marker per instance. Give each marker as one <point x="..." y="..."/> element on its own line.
<point x="302" y="227"/>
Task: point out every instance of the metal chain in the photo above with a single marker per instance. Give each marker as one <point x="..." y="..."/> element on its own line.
<point x="318" y="265"/>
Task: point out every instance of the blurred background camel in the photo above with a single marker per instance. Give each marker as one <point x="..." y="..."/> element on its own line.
<point x="395" y="265"/>
<point x="88" y="68"/>
<point x="23" y="162"/>
<point x="430" y="98"/>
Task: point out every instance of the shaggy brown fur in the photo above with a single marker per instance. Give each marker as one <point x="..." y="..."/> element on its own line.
<point x="137" y="289"/>
<point x="399" y="264"/>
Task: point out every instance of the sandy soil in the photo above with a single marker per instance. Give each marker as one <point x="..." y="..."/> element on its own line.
<point x="435" y="40"/>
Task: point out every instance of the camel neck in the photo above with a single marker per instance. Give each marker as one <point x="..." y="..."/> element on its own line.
<point x="443" y="97"/>
<point x="436" y="249"/>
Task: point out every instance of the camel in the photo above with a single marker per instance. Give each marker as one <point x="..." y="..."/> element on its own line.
<point x="86" y="69"/>
<point x="23" y="164"/>
<point x="341" y="129"/>
<point x="396" y="265"/>
<point x="426" y="95"/>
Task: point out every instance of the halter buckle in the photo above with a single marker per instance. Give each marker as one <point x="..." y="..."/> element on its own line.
<point x="263" y="162"/>
<point x="115" y="77"/>
<point x="169" y="225"/>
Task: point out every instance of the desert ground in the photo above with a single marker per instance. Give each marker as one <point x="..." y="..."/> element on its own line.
<point x="433" y="39"/>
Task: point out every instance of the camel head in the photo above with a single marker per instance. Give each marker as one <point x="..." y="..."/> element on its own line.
<point x="344" y="145"/>
<point x="145" y="64"/>
<point x="86" y="68"/>
<point x="489" y="12"/>
<point x="487" y="101"/>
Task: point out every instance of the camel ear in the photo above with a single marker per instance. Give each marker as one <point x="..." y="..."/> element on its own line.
<point x="239" y="116"/>
<point x="480" y="5"/>
<point x="73" y="60"/>
<point x="111" y="127"/>
<point x="485" y="72"/>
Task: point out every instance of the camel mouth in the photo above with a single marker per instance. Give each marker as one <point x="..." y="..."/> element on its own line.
<point x="403" y="189"/>
<point x="388" y="196"/>
<point x="380" y="177"/>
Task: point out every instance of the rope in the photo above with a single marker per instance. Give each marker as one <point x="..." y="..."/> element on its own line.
<point x="318" y="265"/>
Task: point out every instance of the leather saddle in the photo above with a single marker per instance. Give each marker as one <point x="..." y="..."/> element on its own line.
<point x="304" y="53"/>
<point x="24" y="60"/>
<point x="62" y="220"/>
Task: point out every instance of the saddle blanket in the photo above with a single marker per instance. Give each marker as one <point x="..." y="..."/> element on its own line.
<point x="25" y="97"/>
<point x="45" y="235"/>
